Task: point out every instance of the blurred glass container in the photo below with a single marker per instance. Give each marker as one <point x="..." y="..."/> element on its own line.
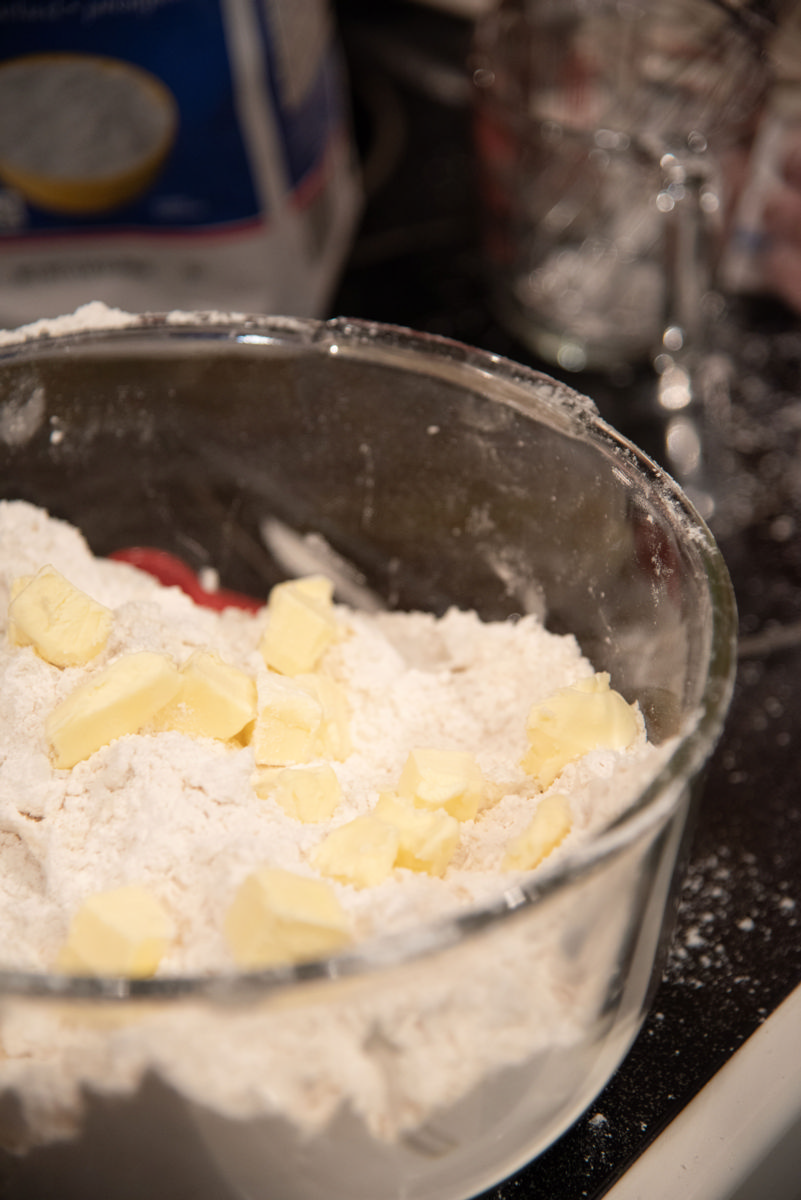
<point x="754" y="260"/>
<point x="605" y="135"/>
<point x="444" y="476"/>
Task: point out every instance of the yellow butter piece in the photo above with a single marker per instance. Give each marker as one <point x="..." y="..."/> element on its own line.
<point x="586" y="716"/>
<point x="300" y="625"/>
<point x="264" y="780"/>
<point x="17" y="585"/>
<point x="65" y="626"/>
<point x="287" y="724"/>
<point x="318" y="588"/>
<point x="308" y="794"/>
<point x="121" y="932"/>
<point x="361" y="852"/>
<point x="426" y="838"/>
<point x="495" y="790"/>
<point x="449" y="779"/>
<point x="118" y="700"/>
<point x="280" y="917"/>
<point x="549" y="826"/>
<point x="333" y="736"/>
<point x="214" y="699"/>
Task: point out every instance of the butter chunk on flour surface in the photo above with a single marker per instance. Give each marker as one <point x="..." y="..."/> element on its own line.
<point x="426" y="840"/>
<point x="119" y="699"/>
<point x="280" y="917"/>
<point x="287" y="725"/>
<point x="332" y="736"/>
<point x="64" y="625"/>
<point x="300" y="625"/>
<point x="449" y="779"/>
<point x="361" y="852"/>
<point x="549" y="826"/>
<point x="121" y="932"/>
<point x="309" y="794"/>
<point x="214" y="699"/>
<point x="574" y="720"/>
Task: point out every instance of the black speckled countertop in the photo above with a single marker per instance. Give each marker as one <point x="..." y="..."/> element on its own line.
<point x="736" y="951"/>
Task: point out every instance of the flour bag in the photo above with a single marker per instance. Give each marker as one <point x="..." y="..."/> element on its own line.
<point x="160" y="154"/>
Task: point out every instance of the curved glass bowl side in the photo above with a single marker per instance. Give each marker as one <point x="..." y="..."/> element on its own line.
<point x="442" y="476"/>
<point x="215" y="416"/>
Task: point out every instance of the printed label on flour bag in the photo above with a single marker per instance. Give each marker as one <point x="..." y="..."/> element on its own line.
<point x="159" y="154"/>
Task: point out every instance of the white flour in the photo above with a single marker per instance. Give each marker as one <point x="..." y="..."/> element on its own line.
<point x="77" y="118"/>
<point x="179" y="816"/>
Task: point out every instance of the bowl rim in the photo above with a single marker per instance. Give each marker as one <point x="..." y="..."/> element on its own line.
<point x="513" y="383"/>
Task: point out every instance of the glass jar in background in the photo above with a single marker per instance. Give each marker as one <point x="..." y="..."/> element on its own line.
<point x="605" y="136"/>
<point x="755" y="259"/>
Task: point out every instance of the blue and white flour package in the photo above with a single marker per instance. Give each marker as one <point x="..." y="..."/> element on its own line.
<point x="160" y="154"/>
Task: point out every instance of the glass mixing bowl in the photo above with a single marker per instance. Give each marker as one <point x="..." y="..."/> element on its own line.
<point x="431" y="1064"/>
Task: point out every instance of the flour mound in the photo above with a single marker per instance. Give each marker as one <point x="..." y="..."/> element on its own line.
<point x="179" y="816"/>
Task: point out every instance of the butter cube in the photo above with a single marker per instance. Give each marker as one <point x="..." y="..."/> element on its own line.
<point x="426" y="839"/>
<point x="308" y="794"/>
<point x="65" y="626"/>
<point x="287" y="724"/>
<point x="17" y="585"/>
<point x="214" y="699"/>
<point x="280" y="917"/>
<point x="361" y="852"/>
<point x="318" y="588"/>
<point x="588" y="715"/>
<point x="119" y="699"/>
<point x="548" y="827"/>
<point x="449" y="779"/>
<point x="333" y="736"/>
<point x="300" y="625"/>
<point x="121" y="932"/>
